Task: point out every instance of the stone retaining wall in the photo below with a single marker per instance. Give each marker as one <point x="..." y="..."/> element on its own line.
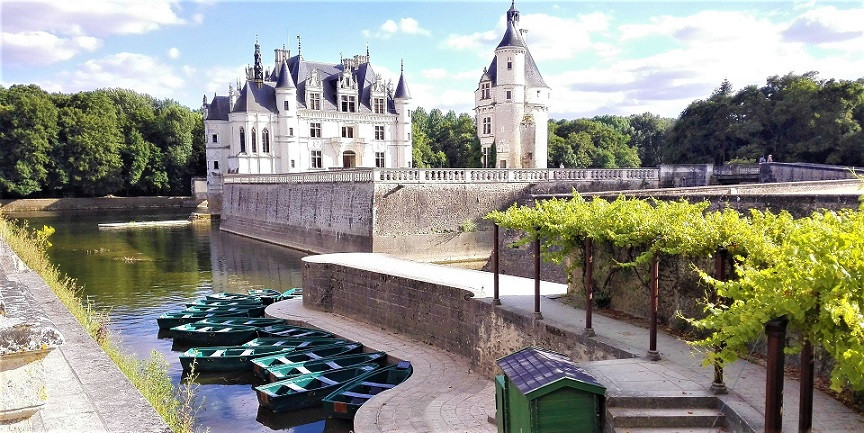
<point x="95" y="203"/>
<point x="445" y="317"/>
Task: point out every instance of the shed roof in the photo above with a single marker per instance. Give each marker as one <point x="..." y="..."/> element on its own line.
<point x="532" y="369"/>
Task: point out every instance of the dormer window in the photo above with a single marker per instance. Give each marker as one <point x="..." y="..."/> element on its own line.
<point x="314" y="101"/>
<point x="485" y="90"/>
<point x="348" y="103"/>
<point x="378" y="105"/>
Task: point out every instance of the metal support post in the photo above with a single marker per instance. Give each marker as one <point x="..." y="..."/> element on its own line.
<point x="589" y="286"/>
<point x="653" y="354"/>
<point x="775" y="330"/>
<point x="537" y="314"/>
<point x="496" y="299"/>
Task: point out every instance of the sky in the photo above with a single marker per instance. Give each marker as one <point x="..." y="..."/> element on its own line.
<point x="598" y="58"/>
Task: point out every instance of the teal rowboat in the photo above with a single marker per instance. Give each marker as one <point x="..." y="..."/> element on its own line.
<point x="287" y="371"/>
<point x="209" y="303"/>
<point x="307" y="389"/>
<point x="176" y="318"/>
<point x="267" y="296"/>
<point x="293" y="342"/>
<point x="203" y="334"/>
<point x="344" y="402"/>
<point x="227" y="296"/>
<point x="290" y="331"/>
<point x="256" y="310"/>
<point x="258" y="322"/>
<point x="225" y="358"/>
<point x="260" y="365"/>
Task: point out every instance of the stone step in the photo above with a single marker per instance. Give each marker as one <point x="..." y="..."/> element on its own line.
<point x="660" y="402"/>
<point x="674" y="418"/>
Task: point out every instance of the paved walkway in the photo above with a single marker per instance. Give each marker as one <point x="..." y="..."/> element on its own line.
<point x="445" y="396"/>
<point x="86" y="392"/>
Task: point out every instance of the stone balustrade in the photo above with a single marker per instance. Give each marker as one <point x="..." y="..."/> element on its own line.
<point x="449" y="175"/>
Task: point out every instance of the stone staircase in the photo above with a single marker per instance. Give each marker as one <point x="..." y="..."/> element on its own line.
<point x="667" y="414"/>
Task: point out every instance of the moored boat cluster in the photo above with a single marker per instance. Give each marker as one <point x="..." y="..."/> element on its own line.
<point x="303" y="367"/>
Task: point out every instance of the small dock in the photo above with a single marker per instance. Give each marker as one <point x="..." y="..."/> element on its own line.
<point x="145" y="224"/>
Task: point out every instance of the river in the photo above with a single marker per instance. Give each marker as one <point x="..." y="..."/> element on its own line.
<point x="137" y="274"/>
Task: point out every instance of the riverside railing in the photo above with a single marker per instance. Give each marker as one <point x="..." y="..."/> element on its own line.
<point x="450" y="175"/>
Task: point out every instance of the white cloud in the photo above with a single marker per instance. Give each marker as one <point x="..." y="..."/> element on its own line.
<point x="174" y="53"/>
<point x="71" y="27"/>
<point x="390" y="28"/>
<point x="828" y="26"/>
<point x="139" y="72"/>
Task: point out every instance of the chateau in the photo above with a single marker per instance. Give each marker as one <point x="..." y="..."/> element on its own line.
<point x="306" y="115"/>
<point x="512" y="104"/>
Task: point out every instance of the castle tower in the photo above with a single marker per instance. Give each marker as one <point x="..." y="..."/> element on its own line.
<point x="402" y="104"/>
<point x="511" y="104"/>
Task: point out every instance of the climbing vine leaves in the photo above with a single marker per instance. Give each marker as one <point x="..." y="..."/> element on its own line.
<point x="810" y="270"/>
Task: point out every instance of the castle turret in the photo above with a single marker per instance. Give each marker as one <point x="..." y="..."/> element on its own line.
<point x="402" y="104"/>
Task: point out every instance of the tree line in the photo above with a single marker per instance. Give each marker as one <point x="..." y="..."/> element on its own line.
<point x="96" y="143"/>
<point x="794" y="118"/>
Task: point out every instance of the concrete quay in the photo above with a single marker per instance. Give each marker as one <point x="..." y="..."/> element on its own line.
<point x="445" y="395"/>
<point x="86" y="392"/>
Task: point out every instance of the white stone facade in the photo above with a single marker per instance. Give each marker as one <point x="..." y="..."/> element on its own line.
<point x="512" y="104"/>
<point x="308" y="116"/>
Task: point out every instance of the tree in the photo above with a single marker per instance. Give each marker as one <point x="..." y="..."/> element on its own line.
<point x="590" y="143"/>
<point x="28" y="133"/>
<point x="649" y="137"/>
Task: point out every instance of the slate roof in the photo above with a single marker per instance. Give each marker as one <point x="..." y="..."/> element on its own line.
<point x="254" y="99"/>
<point x="218" y="109"/>
<point x="402" y="88"/>
<point x="512" y="37"/>
<point x="284" y="80"/>
<point x="531" y="369"/>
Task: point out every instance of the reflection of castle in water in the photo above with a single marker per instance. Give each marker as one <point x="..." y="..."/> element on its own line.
<point x="240" y="263"/>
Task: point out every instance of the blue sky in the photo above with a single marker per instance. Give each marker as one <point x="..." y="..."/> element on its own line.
<point x="598" y="57"/>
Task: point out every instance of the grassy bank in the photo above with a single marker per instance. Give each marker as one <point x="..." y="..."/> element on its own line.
<point x="149" y="376"/>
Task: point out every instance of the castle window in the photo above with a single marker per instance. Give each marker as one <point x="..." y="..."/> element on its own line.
<point x="314" y="101"/>
<point x="286" y="106"/>
<point x="315" y="159"/>
<point x="487" y="125"/>
<point x="292" y="163"/>
<point x="315" y="129"/>
<point x="215" y="138"/>
<point x="265" y="141"/>
<point x="349" y="103"/>
<point x="215" y="165"/>
<point x="242" y="140"/>
<point x="349" y="159"/>
<point x="254" y="142"/>
<point x="379" y="159"/>
<point x="290" y="132"/>
<point x="347" y="132"/>
<point x="378" y="105"/>
<point x="379" y="132"/>
<point x="509" y="95"/>
<point x="509" y="64"/>
<point x="485" y="157"/>
<point x="485" y="90"/>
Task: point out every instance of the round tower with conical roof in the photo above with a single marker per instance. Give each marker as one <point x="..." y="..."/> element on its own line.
<point x="402" y="104"/>
<point x="511" y="104"/>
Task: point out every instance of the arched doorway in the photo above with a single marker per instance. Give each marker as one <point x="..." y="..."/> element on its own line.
<point x="349" y="159"/>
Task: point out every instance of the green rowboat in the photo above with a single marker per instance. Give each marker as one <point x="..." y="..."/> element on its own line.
<point x="256" y="310"/>
<point x="203" y="334"/>
<point x="227" y="296"/>
<point x="176" y="318"/>
<point x="306" y="390"/>
<point x="225" y="358"/>
<point x="210" y="303"/>
<point x="290" y="331"/>
<point x="292" y="342"/>
<point x="344" y="402"/>
<point x="287" y="371"/>
<point x="260" y="365"/>
<point x="258" y="322"/>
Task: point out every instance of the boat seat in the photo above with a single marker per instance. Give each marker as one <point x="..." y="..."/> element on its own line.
<point x="294" y="386"/>
<point x="327" y="381"/>
<point x="333" y="364"/>
<point x="358" y="395"/>
<point x="247" y="352"/>
<point x="303" y="370"/>
<point x="314" y="356"/>
<point x="378" y="385"/>
<point x="218" y="352"/>
<point x="303" y="344"/>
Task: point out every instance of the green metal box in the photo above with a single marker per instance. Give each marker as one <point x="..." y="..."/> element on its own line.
<point x="545" y="392"/>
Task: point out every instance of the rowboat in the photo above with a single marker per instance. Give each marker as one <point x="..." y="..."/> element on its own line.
<point x="176" y="318"/>
<point x="267" y="296"/>
<point x="344" y="402"/>
<point x="225" y="358"/>
<point x="282" y="341"/>
<point x="290" y="331"/>
<point x="240" y="310"/>
<point x="307" y="389"/>
<point x="211" y="303"/>
<point x="203" y="334"/>
<point x="258" y="322"/>
<point x="287" y="371"/>
<point x="260" y="365"/>
<point x="228" y="296"/>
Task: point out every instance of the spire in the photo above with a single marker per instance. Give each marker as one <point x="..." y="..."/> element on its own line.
<point x="512" y="37"/>
<point x="513" y="13"/>
<point x="285" y="80"/>
<point x="402" y="91"/>
<point x="299" y="46"/>
<point x="367" y="51"/>
<point x="259" y="68"/>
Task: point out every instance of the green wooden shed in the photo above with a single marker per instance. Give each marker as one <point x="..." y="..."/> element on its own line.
<point x="545" y="392"/>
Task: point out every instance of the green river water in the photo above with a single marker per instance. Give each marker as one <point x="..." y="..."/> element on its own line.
<point x="137" y="274"/>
